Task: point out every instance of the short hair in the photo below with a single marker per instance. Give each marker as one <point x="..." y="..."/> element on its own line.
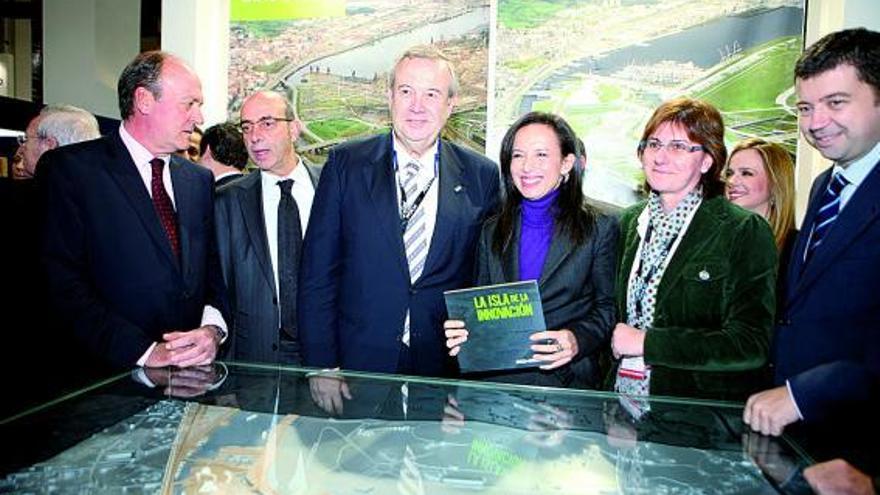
<point x="67" y="124"/>
<point x="704" y="126"/>
<point x="572" y="216"/>
<point x="780" y="176"/>
<point x="427" y="52"/>
<point x="859" y="48"/>
<point x="144" y="71"/>
<point x="227" y="145"/>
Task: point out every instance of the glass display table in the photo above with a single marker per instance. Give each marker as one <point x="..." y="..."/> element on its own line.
<point x="240" y="428"/>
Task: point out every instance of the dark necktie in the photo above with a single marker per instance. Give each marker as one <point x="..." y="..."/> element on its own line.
<point x="163" y="205"/>
<point x="289" y="247"/>
<point x="829" y="208"/>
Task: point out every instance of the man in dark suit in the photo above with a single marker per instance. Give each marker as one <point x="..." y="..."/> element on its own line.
<point x="395" y="223"/>
<point x="223" y="152"/>
<point x="827" y="342"/>
<point x="128" y="240"/>
<point x="255" y="252"/>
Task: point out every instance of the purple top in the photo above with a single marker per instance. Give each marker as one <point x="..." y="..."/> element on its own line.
<point x="535" y="235"/>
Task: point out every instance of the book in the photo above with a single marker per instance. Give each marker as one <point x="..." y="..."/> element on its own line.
<point x="499" y="319"/>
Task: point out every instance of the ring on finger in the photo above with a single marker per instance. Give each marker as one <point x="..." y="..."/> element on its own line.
<point x="558" y="347"/>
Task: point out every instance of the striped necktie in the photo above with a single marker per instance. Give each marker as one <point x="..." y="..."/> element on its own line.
<point x="415" y="240"/>
<point x="829" y="209"/>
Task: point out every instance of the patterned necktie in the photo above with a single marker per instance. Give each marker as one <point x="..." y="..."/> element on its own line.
<point x="164" y="207"/>
<point x="289" y="248"/>
<point x="415" y="240"/>
<point x="829" y="208"/>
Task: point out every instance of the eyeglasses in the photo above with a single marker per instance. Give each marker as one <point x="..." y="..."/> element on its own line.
<point x="672" y="147"/>
<point x="264" y="124"/>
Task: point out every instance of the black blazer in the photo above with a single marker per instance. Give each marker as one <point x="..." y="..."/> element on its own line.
<point x="111" y="272"/>
<point x="577" y="293"/>
<point x="354" y="286"/>
<point x="247" y="269"/>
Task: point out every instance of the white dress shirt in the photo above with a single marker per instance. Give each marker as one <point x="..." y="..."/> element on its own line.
<point x="303" y="193"/>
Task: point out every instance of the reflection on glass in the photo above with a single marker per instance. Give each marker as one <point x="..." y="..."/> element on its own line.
<point x="262" y="431"/>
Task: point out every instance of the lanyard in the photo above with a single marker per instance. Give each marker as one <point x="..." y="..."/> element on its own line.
<point x="408" y="210"/>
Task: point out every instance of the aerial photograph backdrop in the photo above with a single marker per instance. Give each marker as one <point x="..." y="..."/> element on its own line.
<point x="604" y="65"/>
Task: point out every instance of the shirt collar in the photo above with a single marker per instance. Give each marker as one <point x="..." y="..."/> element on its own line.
<point x="404" y="157"/>
<point x="299" y="175"/>
<point x="138" y="152"/>
<point x="856" y="172"/>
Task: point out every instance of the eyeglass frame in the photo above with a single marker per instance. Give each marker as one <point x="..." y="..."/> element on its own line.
<point x="22" y="139"/>
<point x="683" y="146"/>
<point x="264" y="123"/>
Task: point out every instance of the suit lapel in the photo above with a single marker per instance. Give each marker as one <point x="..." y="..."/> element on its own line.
<point x="700" y="232"/>
<point x="796" y="265"/>
<point x="380" y="183"/>
<point x="254" y="220"/>
<point x="124" y="172"/>
<point x="560" y="248"/>
<point x="861" y="211"/>
<point x="449" y="205"/>
<point x="510" y="257"/>
<point x="184" y="205"/>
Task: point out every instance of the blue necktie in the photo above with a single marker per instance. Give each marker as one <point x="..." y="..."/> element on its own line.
<point x="829" y="208"/>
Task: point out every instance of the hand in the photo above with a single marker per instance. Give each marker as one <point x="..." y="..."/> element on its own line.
<point x="627" y="341"/>
<point x="456" y="334"/>
<point x="770" y="411"/>
<point x="838" y="477"/>
<point x="548" y="426"/>
<point x="453" y="420"/>
<point x="563" y="349"/>
<point x="193" y="348"/>
<point x="618" y="432"/>
<point x="328" y="392"/>
<point x="186" y="382"/>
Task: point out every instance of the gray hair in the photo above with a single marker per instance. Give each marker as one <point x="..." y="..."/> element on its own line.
<point x="427" y="52"/>
<point x="67" y="124"/>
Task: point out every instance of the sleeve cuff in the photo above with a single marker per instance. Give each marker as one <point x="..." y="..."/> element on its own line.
<point x="791" y="396"/>
<point x="212" y="316"/>
<point x="143" y="360"/>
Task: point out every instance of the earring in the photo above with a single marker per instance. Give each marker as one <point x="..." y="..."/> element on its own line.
<point x="565" y="177"/>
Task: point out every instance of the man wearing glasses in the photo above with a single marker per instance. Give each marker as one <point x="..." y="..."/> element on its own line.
<point x="260" y="221"/>
<point x="56" y="125"/>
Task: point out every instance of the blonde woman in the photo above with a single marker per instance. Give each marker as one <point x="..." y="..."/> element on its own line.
<point x="760" y="178"/>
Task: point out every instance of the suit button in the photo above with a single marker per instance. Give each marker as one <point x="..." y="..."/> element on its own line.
<point x="413" y="291"/>
<point x="275" y="300"/>
<point x="274" y="347"/>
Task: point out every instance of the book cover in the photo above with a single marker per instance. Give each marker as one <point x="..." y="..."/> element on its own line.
<point x="499" y="319"/>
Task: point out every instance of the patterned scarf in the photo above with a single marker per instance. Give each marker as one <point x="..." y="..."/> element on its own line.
<point x="663" y="229"/>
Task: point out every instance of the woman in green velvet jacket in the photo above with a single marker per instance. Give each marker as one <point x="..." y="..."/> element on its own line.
<point x="696" y="277"/>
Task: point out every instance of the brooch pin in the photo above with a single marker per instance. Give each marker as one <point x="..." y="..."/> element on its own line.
<point x="703" y="275"/>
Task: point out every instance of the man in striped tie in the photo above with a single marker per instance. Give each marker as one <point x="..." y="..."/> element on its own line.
<point x="827" y="343"/>
<point x="394" y="225"/>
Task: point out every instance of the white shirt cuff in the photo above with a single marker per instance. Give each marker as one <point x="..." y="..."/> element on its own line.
<point x="791" y="396"/>
<point x="212" y="316"/>
<point x="143" y="360"/>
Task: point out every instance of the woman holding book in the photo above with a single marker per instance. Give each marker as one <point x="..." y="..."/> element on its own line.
<point x="545" y="231"/>
<point x="695" y="287"/>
